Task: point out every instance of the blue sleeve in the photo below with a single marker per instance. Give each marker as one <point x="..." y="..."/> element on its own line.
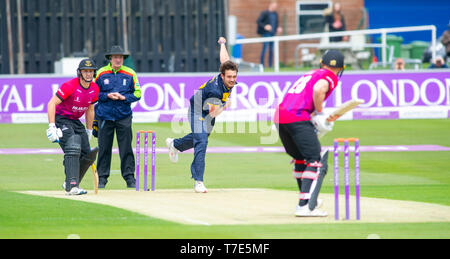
<point x="102" y="95"/>
<point x="134" y="92"/>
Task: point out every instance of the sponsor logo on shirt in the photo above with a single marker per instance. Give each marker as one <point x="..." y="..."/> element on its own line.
<point x="79" y="109"/>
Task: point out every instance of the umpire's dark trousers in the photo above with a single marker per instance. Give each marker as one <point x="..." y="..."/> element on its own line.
<point x="124" y="134"/>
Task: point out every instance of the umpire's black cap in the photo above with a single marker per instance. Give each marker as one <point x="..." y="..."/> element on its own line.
<point x="87" y="64"/>
<point x="333" y="58"/>
<point x="117" y="50"/>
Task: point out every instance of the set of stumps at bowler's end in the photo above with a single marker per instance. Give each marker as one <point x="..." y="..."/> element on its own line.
<point x="138" y="158"/>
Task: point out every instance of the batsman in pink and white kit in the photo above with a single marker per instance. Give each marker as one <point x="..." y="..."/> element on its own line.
<point x="300" y="119"/>
<point x="73" y="99"/>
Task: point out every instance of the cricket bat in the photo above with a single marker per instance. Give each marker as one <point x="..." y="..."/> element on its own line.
<point x="344" y="108"/>
<point x="95" y="174"/>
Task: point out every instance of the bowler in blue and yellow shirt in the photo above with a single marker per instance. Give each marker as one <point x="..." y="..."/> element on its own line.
<point x="205" y="105"/>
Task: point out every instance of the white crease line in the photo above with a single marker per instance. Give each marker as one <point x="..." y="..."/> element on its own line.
<point x="194" y="221"/>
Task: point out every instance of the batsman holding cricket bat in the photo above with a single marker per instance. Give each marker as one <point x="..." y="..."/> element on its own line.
<point x="72" y="100"/>
<point x="299" y="119"/>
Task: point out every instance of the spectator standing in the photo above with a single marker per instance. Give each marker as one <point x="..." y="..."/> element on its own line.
<point x="268" y="26"/>
<point x="336" y="22"/>
<point x="438" y="63"/>
<point x="446" y="40"/>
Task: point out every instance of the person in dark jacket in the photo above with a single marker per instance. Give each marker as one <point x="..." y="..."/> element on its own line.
<point x="268" y="27"/>
<point x="445" y="40"/>
<point x="438" y="63"/>
<point x="336" y="22"/>
<point x="119" y="88"/>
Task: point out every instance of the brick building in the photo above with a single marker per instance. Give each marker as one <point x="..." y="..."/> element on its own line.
<point x="289" y="11"/>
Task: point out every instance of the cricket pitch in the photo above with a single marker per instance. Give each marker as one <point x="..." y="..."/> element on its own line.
<point x="253" y="206"/>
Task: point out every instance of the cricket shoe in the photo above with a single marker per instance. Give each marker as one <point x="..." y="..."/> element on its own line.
<point x="304" y="211"/>
<point x="102" y="182"/>
<point x="199" y="187"/>
<point x="76" y="191"/>
<point x="131" y="182"/>
<point x="82" y="190"/>
<point x="173" y="152"/>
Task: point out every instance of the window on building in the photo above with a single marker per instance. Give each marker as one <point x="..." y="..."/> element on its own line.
<point x="310" y="16"/>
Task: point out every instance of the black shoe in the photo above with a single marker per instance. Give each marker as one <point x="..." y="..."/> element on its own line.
<point x="131" y="183"/>
<point x="102" y="183"/>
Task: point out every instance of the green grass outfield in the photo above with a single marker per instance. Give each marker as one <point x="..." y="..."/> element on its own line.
<point x="414" y="176"/>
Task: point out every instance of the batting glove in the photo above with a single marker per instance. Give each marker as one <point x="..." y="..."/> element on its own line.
<point x="54" y="133"/>
<point x="321" y="123"/>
